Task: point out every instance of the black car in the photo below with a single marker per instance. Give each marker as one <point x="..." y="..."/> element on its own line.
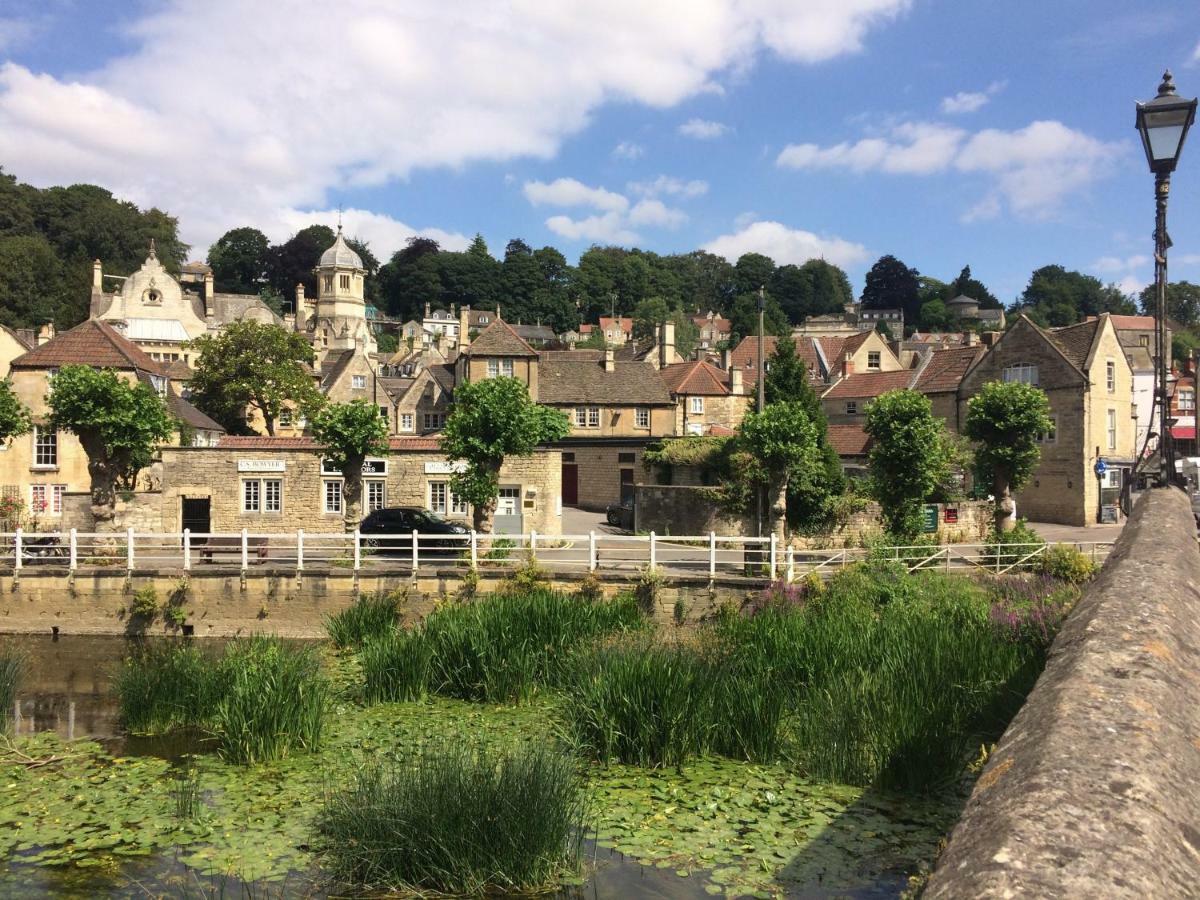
<point x="389" y="531"/>
<point x="620" y="515"/>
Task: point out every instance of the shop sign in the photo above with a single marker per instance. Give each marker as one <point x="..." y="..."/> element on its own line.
<point x="261" y="465"/>
<point x="370" y="467"/>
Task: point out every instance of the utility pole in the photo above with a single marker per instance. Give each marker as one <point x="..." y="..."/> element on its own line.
<point x="762" y="400"/>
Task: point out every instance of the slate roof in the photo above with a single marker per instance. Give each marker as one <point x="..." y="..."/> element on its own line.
<point x="1075" y="341"/>
<point x="185" y="412"/>
<point x="849" y="440"/>
<point x="333" y="368"/>
<point x="698" y="378"/>
<point x="499" y="339"/>
<point x="579" y="381"/>
<point x="869" y="384"/>
<point x="395" y="387"/>
<point x="91" y="343"/>
<point x="541" y="333"/>
<point x="946" y="369"/>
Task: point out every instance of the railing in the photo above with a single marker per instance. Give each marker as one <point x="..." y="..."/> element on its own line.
<point x="708" y="555"/>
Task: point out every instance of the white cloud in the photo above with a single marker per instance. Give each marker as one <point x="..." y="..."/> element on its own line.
<point x="384" y="234"/>
<point x="570" y="192"/>
<point x="656" y="213"/>
<point x="628" y="150"/>
<point x="786" y="245"/>
<point x="1132" y="284"/>
<point x="971" y="101"/>
<point x="1033" y="169"/>
<point x="608" y="228"/>
<point x="1109" y="265"/>
<point x="669" y="185"/>
<point x="1187" y="259"/>
<point x="702" y="129"/>
<point x="1196" y="54"/>
<point x="221" y="133"/>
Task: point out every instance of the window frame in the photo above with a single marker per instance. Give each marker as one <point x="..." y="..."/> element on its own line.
<point x="358" y="382"/>
<point x="1051" y="436"/>
<point x="1019" y="373"/>
<point x="333" y="488"/>
<point x="437" y="497"/>
<point x="593" y="417"/>
<point x="51" y="502"/>
<point x="272" y="496"/>
<point x="696" y="406"/>
<point x="1187" y="400"/>
<point x="437" y="419"/>
<point x="1110" y="375"/>
<point x="45" y="442"/>
<point x="852" y="407"/>
<point x="641" y="417"/>
<point x="371" y="486"/>
<point x="344" y="282"/>
<point x="877" y="358"/>
<point x="1111" y="422"/>
<point x="408" y="421"/>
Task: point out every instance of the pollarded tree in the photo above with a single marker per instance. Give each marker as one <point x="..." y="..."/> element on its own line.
<point x="14" y="417"/>
<point x="255" y="365"/>
<point x="118" y="422"/>
<point x="908" y="457"/>
<point x="1005" y="419"/>
<point x="350" y="433"/>
<point x="779" y="444"/>
<point x="489" y="421"/>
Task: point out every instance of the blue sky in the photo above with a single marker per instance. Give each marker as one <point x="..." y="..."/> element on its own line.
<point x="997" y="133"/>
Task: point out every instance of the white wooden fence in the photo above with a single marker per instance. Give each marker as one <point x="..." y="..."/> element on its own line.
<point x="699" y="555"/>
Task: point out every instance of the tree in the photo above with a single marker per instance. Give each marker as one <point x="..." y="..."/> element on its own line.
<point x="490" y="420"/>
<point x="411" y="278"/>
<point x="744" y="317"/>
<point x="1006" y="419"/>
<point x="31" y="282"/>
<point x="706" y="281"/>
<point x="240" y="259"/>
<point x="255" y="365"/>
<point x="753" y="271"/>
<point x="1056" y="297"/>
<point x="293" y="261"/>
<point x="648" y="316"/>
<point x="1183" y="302"/>
<point x="893" y="285"/>
<point x="687" y="334"/>
<point x="966" y="285"/>
<point x="908" y="457"/>
<point x="14" y="417"/>
<point x="776" y="444"/>
<point x="350" y="432"/>
<point x="816" y="288"/>
<point x="118" y="423"/>
<point x="935" y="317"/>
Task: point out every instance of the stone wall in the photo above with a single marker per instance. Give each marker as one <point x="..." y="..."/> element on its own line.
<point x="600" y="470"/>
<point x="1092" y="791"/>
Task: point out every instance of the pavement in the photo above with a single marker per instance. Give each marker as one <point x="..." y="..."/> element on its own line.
<point x="1072" y="534"/>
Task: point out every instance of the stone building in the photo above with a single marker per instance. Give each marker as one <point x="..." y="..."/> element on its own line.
<point x="14" y="344"/>
<point x="1088" y="381"/>
<point x="1139" y="339"/>
<point x="708" y="400"/>
<point x="966" y="310"/>
<point x="714" y="329"/>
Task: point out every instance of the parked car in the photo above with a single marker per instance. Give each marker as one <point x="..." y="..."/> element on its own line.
<point x="389" y="531"/>
<point x="620" y="515"/>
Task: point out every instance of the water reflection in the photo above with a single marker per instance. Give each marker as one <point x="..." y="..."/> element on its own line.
<point x="66" y="687"/>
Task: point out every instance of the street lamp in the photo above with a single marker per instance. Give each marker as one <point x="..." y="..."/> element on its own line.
<point x="1163" y="124"/>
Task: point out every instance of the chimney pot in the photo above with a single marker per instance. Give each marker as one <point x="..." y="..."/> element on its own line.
<point x="736" y="385"/>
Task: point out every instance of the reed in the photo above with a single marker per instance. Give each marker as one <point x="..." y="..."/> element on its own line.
<point x="12" y="673"/>
<point x="164" y="685"/>
<point x="396" y="667"/>
<point x="458" y="820"/>
<point x="188" y="793"/>
<point x="370" y="616"/>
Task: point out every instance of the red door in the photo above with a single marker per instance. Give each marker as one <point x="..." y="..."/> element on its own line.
<point x="570" y="484"/>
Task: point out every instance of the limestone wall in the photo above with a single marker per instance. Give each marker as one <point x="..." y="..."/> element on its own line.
<point x="1092" y="791"/>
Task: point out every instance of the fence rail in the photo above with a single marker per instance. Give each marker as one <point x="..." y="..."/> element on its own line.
<point x="707" y="555"/>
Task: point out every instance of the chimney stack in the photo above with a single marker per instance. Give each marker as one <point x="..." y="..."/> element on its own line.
<point x="97" y="277"/>
<point x="727" y="359"/>
<point x="972" y="339"/>
<point x="301" y="309"/>
<point x="209" y="307"/>
<point x="989" y="338"/>
<point x="464" y="326"/>
<point x="735" y="382"/>
<point x="428" y="310"/>
<point x="666" y="345"/>
<point x="45" y="333"/>
<point x="610" y="363"/>
<point x="848" y="364"/>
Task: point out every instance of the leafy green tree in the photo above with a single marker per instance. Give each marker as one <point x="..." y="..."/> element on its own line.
<point x="387" y="341"/>
<point x="253" y="365"/>
<point x="775" y="445"/>
<point x="648" y="316"/>
<point x="1184" y="345"/>
<point x="1183" y="302"/>
<point x="705" y="280"/>
<point x="893" y="285"/>
<point x="596" y="281"/>
<point x="350" y="432"/>
<point x="490" y="420"/>
<point x="411" y="278"/>
<point x="744" y="317"/>
<point x="14" y="417"/>
<point x="1005" y="419"/>
<point x="908" y="457"/>
<point x="934" y="316"/>
<point x="594" y="341"/>
<point x="118" y="422"/>
<point x="293" y="261"/>
<point x="753" y="271"/>
<point x="32" y="289"/>
<point x="240" y="259"/>
<point x="471" y="278"/>
<point x="816" y="288"/>
<point x="1056" y="296"/>
<point x="687" y="334"/>
<point x="966" y="285"/>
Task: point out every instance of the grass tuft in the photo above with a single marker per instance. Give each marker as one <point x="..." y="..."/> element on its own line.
<point x="371" y="616"/>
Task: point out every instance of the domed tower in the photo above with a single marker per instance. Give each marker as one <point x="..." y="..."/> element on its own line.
<point x="341" y="316"/>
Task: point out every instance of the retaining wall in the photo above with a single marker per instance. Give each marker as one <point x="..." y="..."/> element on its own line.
<point x="1094" y="790"/>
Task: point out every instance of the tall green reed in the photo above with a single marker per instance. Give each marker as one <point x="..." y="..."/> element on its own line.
<point x="370" y="616"/>
<point x="457" y="819"/>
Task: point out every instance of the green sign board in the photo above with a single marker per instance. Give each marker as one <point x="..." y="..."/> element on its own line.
<point x="929" y="518"/>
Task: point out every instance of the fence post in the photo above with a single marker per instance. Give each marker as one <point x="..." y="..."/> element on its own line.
<point x="774" y="553"/>
<point x="187" y="548"/>
<point x="791" y="564"/>
<point x="415" y="556"/>
<point x="712" y="554"/>
<point x="129" y="549"/>
<point x="474" y="549"/>
<point x="74" y="549"/>
<point x="532" y="542"/>
<point x="17" y="546"/>
<point x="245" y="549"/>
<point x="593" y="562"/>
<point x="357" y="550"/>
<point x="653" y="555"/>
<point x="299" y="550"/>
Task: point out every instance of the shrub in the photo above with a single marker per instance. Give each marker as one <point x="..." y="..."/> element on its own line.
<point x="145" y="603"/>
<point x="1066" y="563"/>
<point x="174" y="615"/>
<point x="648" y="587"/>
<point x="1000" y="552"/>
<point x="529" y="576"/>
<point x="591" y="588"/>
<point x="370" y="616"/>
<point x="458" y="820"/>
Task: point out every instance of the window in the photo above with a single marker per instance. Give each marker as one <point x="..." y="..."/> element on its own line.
<point x="458" y="506"/>
<point x="509" y="501"/>
<point x="873" y="359"/>
<point x="493" y="368"/>
<point x="160" y="385"/>
<point x="506" y="368"/>
<point x="1022" y="372"/>
<point x="852" y="407"/>
<point x="593" y="417"/>
<point x="434" y="421"/>
<point x="46" y="499"/>
<point x="1112" y="429"/>
<point x="272" y="495"/>
<point x="344" y="282"/>
<point x="45" y="448"/>
<point x="1049" y="437"/>
<point x="587" y="417"/>
<point x="1144" y="340"/>
<point x="251" y="496"/>
<point x="406" y="421"/>
<point x="696" y="405"/>
<point x="333" y="496"/>
<point x="1110" y="376"/>
<point x="626" y="458"/>
<point x="376" y="495"/>
<point x="581" y="417"/>
<point x="641" y="417"/>
<point x="358" y="381"/>
<point x="285" y="418"/>
<point x="328" y="282"/>
<point x="438" y="493"/>
<point x="1187" y="399"/>
<point x="383" y="412"/>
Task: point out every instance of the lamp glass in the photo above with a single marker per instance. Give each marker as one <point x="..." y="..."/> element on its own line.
<point x="1164" y="141"/>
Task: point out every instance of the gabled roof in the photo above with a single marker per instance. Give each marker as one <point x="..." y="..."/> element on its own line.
<point x="745" y="354"/>
<point x="849" y="440"/>
<point x="26" y="341"/>
<point x="1133" y="323"/>
<point x="698" y="378"/>
<point x="498" y="339"/>
<point x="91" y="343"/>
<point x="625" y="323"/>
<point x="869" y="384"/>
<point x="1075" y="341"/>
<point x="946" y="368"/>
<point x="564" y="379"/>
<point x="853" y="343"/>
<point x="185" y="412"/>
<point x="334" y="367"/>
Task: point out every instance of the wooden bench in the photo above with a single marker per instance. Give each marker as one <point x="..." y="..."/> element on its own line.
<point x="256" y="547"/>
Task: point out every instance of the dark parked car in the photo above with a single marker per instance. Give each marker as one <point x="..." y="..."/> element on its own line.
<point x="620" y="515"/>
<point x="389" y="531"/>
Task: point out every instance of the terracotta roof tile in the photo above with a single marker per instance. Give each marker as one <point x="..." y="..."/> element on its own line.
<point x="869" y="384"/>
<point x="698" y="378"/>
<point x="265" y="442"/>
<point x="849" y="440"/>
<point x="1133" y="323"/>
<point x="414" y="444"/>
<point x="498" y="339"/>
<point x="91" y="343"/>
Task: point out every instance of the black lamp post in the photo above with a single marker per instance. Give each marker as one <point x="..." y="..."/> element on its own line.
<point x="1163" y="124"/>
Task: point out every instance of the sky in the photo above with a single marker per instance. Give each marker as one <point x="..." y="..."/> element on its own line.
<point x="994" y="133"/>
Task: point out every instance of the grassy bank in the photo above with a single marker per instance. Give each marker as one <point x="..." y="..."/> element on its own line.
<point x="261" y="698"/>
